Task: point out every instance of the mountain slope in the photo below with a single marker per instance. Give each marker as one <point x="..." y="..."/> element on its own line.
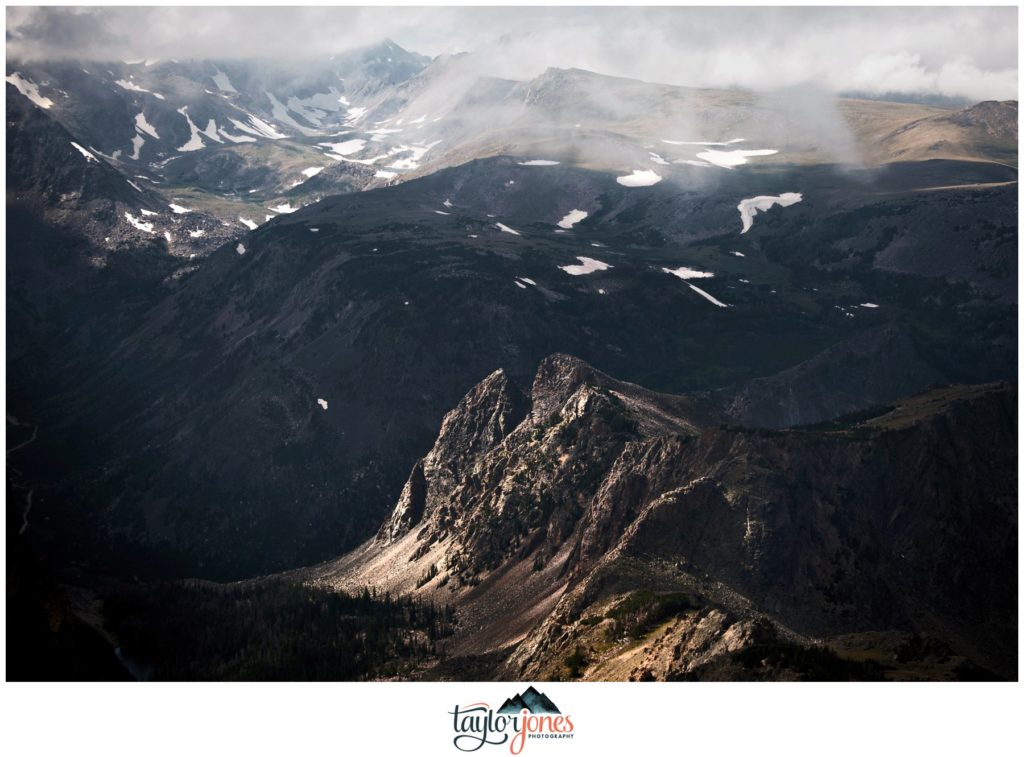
<point x="605" y="513"/>
<point x="985" y="131"/>
<point x="385" y="305"/>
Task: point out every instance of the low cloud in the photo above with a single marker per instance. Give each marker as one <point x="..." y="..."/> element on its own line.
<point x="949" y="52"/>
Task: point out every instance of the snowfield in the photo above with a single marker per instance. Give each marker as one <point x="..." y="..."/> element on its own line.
<point x="251" y="225"/>
<point x="572" y="218"/>
<point x="195" y="141"/>
<point x="146" y="227"/>
<point x="732" y="158"/>
<point x="348" y="147"/>
<point x="750" y="207"/>
<point x="639" y="179"/>
<point x="685" y="273"/>
<point x="30" y="89"/>
<point x="413" y="161"/>
<point x="88" y="155"/>
<point x="223" y="82"/>
<point x="588" y="265"/>
<point x="708" y="297"/>
<point x="539" y="163"/>
<point x="137" y="143"/>
<point x="142" y="125"/>
<point x="505" y="228"/>
<point x="257" y="128"/>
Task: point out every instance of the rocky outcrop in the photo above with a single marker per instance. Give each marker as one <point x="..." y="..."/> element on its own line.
<point x="534" y="516"/>
<point x="484" y="417"/>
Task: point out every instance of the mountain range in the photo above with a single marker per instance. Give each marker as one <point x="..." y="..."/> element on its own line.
<point x="353" y="323"/>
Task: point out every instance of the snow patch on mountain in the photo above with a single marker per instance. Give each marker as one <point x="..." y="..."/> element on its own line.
<point x="133" y="87"/>
<point x="236" y="138"/>
<point x="732" y="158"/>
<point x="137" y="143"/>
<point x="354" y="115"/>
<point x="572" y="218"/>
<point x="348" y="147"/>
<point x="417" y="151"/>
<point x="539" y="163"/>
<point x="223" y="82"/>
<point x="506" y="229"/>
<point x="750" y="207"/>
<point x="30" y="89"/>
<point x="211" y="131"/>
<point x="88" y="155"/>
<point x="588" y="265"/>
<point x="142" y="125"/>
<point x="639" y="178"/>
<point x="140" y="225"/>
<point x="258" y="128"/>
<point x="686" y="272"/>
<point x="280" y="112"/>
<point x="195" y="141"/>
<point x="710" y="298"/>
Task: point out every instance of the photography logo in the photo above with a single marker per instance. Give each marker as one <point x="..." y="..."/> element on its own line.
<point x="527" y="716"/>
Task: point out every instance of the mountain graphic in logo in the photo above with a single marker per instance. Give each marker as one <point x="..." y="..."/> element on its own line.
<point x="531" y="700"/>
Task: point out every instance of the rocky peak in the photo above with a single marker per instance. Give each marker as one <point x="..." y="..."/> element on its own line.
<point x="558" y="378"/>
<point x="486" y="415"/>
<point x="483" y="418"/>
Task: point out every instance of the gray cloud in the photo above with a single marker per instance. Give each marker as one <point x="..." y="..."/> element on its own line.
<point x="953" y="52"/>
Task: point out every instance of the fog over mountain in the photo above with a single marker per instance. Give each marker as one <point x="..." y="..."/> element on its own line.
<point x="951" y="52"/>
